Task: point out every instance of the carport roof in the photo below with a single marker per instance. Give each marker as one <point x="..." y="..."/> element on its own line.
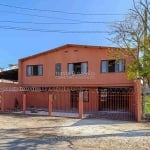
<point x="11" y="74"/>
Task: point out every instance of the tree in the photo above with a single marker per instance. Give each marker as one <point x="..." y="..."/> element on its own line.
<point x="133" y="34"/>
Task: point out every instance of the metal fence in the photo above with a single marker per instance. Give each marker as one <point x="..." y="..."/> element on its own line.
<point x="111" y="103"/>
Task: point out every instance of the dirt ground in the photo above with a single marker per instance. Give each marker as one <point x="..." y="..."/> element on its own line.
<point x="18" y="132"/>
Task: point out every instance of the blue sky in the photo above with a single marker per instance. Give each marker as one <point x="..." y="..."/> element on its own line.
<point x="15" y="44"/>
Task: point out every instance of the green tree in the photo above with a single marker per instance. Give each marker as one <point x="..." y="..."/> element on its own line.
<point x="133" y="34"/>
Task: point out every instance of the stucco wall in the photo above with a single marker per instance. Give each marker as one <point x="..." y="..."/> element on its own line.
<point x="72" y="55"/>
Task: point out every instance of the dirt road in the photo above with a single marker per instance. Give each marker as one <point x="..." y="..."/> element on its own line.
<point x="18" y="132"/>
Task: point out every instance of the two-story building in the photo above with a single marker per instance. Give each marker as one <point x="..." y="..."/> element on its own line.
<point x="69" y="69"/>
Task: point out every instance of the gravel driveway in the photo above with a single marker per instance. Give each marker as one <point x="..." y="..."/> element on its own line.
<point x="18" y="132"/>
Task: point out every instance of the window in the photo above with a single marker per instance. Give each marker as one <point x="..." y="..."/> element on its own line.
<point x="120" y="66"/>
<point x="104" y="66"/>
<point x="112" y="66"/>
<point x="78" y="68"/>
<point x="58" y="69"/>
<point x="35" y="70"/>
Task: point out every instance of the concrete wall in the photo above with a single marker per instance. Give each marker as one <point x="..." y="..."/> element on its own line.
<point x="10" y="100"/>
<point x="10" y="96"/>
<point x="37" y="99"/>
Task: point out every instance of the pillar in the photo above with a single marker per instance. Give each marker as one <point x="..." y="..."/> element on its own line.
<point x="50" y="99"/>
<point x="138" y="100"/>
<point x="24" y="103"/>
<point x="81" y="104"/>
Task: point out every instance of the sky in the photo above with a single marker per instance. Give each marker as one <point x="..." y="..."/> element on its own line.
<point x="55" y="23"/>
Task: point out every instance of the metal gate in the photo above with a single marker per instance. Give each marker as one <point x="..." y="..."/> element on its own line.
<point x="117" y="103"/>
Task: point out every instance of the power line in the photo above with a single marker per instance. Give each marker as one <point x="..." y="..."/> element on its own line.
<point x="58" y="11"/>
<point x="41" y="16"/>
<point x="81" y="22"/>
<point x="28" y="29"/>
<point x="53" y="31"/>
<point x="33" y="15"/>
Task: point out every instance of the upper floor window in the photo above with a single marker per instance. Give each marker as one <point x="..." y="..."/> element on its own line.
<point x="112" y="66"/>
<point x="58" y="69"/>
<point x="34" y="70"/>
<point x="78" y="68"/>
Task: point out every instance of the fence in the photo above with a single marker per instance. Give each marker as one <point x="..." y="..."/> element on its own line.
<point x="113" y="103"/>
<point x="41" y="102"/>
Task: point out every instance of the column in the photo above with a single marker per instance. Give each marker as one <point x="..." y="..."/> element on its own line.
<point x="138" y="100"/>
<point x="50" y="99"/>
<point x="81" y="104"/>
<point x="24" y="103"/>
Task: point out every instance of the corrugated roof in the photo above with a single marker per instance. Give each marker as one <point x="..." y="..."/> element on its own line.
<point x="11" y="74"/>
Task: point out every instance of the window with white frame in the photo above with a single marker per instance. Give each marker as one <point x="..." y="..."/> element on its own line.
<point x="78" y="68"/>
<point x="34" y="70"/>
<point x="112" y="66"/>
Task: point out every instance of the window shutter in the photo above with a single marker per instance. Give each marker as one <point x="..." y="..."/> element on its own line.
<point x="70" y="69"/>
<point x="104" y="66"/>
<point x="121" y="65"/>
<point x="84" y="68"/>
<point x="29" y="70"/>
<point x="40" y="70"/>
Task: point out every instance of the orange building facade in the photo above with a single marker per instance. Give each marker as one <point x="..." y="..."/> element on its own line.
<point x="73" y="65"/>
<point x="76" y="79"/>
<point x="67" y="70"/>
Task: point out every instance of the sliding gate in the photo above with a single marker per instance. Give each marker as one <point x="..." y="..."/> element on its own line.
<point x="117" y="103"/>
